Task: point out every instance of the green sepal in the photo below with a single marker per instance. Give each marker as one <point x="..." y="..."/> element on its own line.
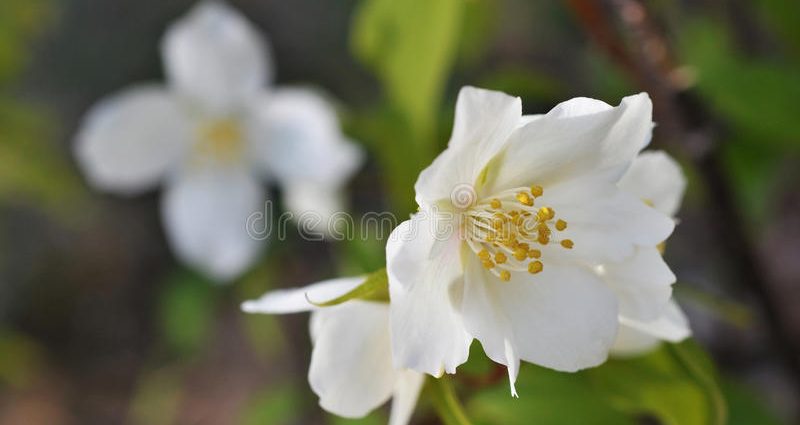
<point x="374" y="288"/>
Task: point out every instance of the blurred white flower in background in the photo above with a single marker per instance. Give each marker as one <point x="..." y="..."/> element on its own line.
<point x="543" y="210"/>
<point x="657" y="179"/>
<point x="351" y="365"/>
<point x="210" y="135"/>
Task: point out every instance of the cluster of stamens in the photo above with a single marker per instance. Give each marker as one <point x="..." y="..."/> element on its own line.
<point x="505" y="231"/>
<point x="220" y="139"/>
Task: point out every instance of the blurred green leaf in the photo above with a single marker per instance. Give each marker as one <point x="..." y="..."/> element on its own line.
<point x="21" y="359"/>
<point x="784" y="17"/>
<point x="20" y="20"/>
<point x="187" y="311"/>
<point x="757" y="97"/>
<point x="156" y="399"/>
<point x="546" y="397"/>
<point x="746" y="408"/>
<point x="752" y="167"/>
<point x="281" y="405"/>
<point x="675" y="383"/>
<point x="442" y="395"/>
<point x="411" y="45"/>
<point x="30" y="167"/>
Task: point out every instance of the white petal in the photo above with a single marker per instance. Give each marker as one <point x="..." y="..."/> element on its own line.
<point x="657" y="178"/>
<point x="562" y="318"/>
<point x="580" y="136"/>
<point x="483" y="122"/>
<point x="351" y="365"/>
<point x="643" y="284"/>
<point x="206" y="212"/>
<point x="427" y="332"/>
<point x="296" y="138"/>
<point x="318" y="209"/>
<point x="296" y="300"/>
<point x="128" y="142"/>
<point x="638" y="336"/>
<point x="406" y="392"/>
<point x="605" y="223"/>
<point x="672" y="326"/>
<point x="215" y="56"/>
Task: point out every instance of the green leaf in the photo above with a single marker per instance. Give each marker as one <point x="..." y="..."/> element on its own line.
<point x="546" y="397"/>
<point x="675" y="383"/>
<point x="281" y="405"/>
<point x="186" y="311"/>
<point x="746" y="408"/>
<point x="411" y="45"/>
<point x="374" y="288"/>
<point x="757" y="97"/>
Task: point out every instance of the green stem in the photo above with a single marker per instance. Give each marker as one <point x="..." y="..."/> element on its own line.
<point x="446" y="403"/>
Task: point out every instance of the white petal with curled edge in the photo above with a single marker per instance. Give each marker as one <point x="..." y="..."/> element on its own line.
<point x="404" y="399"/>
<point x="637" y="336"/>
<point x="605" y="223"/>
<point x="295" y="137"/>
<point x="483" y="122"/>
<point x="643" y="284"/>
<point x="205" y="212"/>
<point x="580" y="136"/>
<point x="129" y="142"/>
<point x="656" y="178"/>
<point x="562" y="318"/>
<point x="427" y="332"/>
<point x="214" y="56"/>
<point x="296" y="300"/>
<point x="351" y="364"/>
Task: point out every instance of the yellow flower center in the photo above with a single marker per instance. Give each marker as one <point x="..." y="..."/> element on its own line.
<point x="506" y="231"/>
<point x="221" y="140"/>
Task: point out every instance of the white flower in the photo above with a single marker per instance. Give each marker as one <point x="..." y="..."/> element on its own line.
<point x="351" y="366"/>
<point x="534" y="207"/>
<point x="210" y="135"/>
<point x="657" y="179"/>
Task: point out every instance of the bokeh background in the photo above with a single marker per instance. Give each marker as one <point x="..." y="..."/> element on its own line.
<point x="100" y="325"/>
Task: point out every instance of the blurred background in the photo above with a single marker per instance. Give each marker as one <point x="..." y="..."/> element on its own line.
<point x="100" y="325"/>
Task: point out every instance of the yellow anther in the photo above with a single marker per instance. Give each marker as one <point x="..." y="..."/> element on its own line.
<point x="534" y="253"/>
<point x="567" y="243"/>
<point x="484" y="254"/>
<point x="537" y="190"/>
<point x="544" y="238"/>
<point x="535" y="267"/>
<point x="496" y="204"/>
<point x="505" y="275"/>
<point x="561" y="224"/>
<point x="524" y="246"/>
<point x="525" y="199"/>
<point x="545" y="213"/>
<point x="520" y="254"/>
<point x="517" y="219"/>
<point x="500" y="258"/>
<point x="661" y="247"/>
<point x="487" y="264"/>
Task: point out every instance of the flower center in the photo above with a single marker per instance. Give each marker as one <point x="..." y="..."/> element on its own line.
<point x="220" y="139"/>
<point x="506" y="230"/>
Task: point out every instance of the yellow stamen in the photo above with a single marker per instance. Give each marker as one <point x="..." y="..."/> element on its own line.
<point x="537" y="190"/>
<point x="520" y="254"/>
<point x="535" y="267"/>
<point x="534" y="253"/>
<point x="487" y="264"/>
<point x="484" y="254"/>
<point x="505" y="275"/>
<point x="561" y="225"/>
<point x="567" y="243"/>
<point x="496" y="204"/>
<point x="500" y="258"/>
<point x="524" y="199"/>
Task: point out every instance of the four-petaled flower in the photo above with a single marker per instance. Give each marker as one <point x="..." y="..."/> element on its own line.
<point x="514" y="263"/>
<point x="351" y="365"/>
<point x="210" y="135"/>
